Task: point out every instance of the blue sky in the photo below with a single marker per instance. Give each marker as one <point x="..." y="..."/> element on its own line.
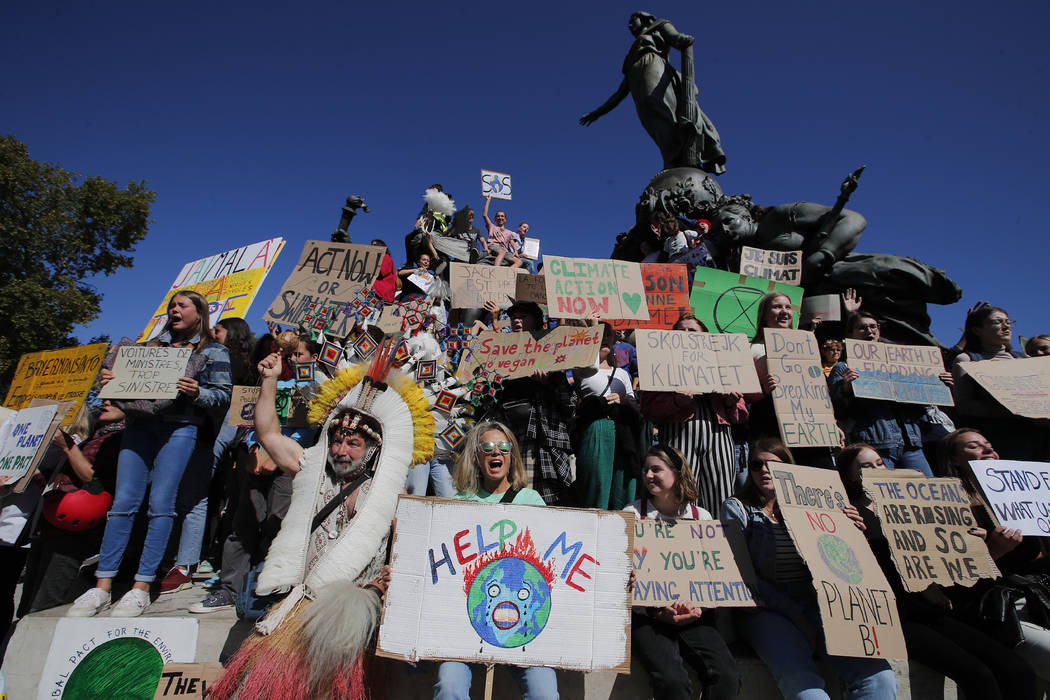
<point x="255" y="120"/>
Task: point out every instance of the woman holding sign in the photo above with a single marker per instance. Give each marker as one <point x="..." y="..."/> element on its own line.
<point x="664" y="638"/>
<point x="785" y="632"/>
<point x="490" y="470"/>
<point x="154" y="454"/>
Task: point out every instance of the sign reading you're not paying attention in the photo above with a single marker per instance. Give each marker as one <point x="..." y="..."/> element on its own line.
<point x="582" y="287"/>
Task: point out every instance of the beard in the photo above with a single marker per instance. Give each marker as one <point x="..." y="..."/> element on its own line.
<point x="345" y="468"/>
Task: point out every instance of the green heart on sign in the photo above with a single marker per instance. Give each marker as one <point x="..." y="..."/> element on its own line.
<point x="633" y="301"/>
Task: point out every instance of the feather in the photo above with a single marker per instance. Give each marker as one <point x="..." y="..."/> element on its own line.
<point x="338" y="625"/>
<point x="439" y="201"/>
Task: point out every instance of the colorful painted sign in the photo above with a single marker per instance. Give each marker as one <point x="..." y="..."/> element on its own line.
<point x="497" y="583"/>
<point x="516" y="355"/>
<point x="144" y="372"/>
<point x="666" y="295"/>
<point x="581" y="287"/>
<point x="801" y="400"/>
<point x="1018" y="493"/>
<point x="496" y="185"/>
<point x="901" y="373"/>
<point x="778" y="265"/>
<point x="728" y="302"/>
<point x="60" y="375"/>
<point x="229" y="281"/>
<point x="858" y="610"/>
<point x="695" y="363"/>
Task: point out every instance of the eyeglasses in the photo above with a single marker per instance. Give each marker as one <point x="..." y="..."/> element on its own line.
<point x="1000" y="323"/>
<point x="489" y="447"/>
<point x="868" y="327"/>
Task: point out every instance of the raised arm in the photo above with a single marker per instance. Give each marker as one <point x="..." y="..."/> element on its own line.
<point x="284" y="451"/>
<point x="607" y="106"/>
<point x="485" y="217"/>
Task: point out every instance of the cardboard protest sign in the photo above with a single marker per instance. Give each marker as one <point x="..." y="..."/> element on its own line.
<point x="473" y="285"/>
<point x="695" y="363"/>
<point x="537" y="586"/>
<point x="530" y="288"/>
<point x="577" y="287"/>
<point x="187" y="681"/>
<point x="778" y="265"/>
<point x="666" y="295"/>
<point x="1021" y="386"/>
<point x="61" y="375"/>
<point x="496" y="185"/>
<point x="926" y="522"/>
<point x="424" y="279"/>
<point x="728" y="302"/>
<point x="144" y="372"/>
<point x="801" y="400"/>
<point x="858" y="610"/>
<point x="114" y="657"/>
<point x="327" y="275"/>
<point x="1018" y="493"/>
<point x="515" y="355"/>
<point x="402" y="318"/>
<point x="530" y="248"/>
<point x="21" y="439"/>
<point x="688" y="560"/>
<point x="229" y="281"/>
<point x="826" y="307"/>
<point x="291" y="405"/>
<point x="902" y="373"/>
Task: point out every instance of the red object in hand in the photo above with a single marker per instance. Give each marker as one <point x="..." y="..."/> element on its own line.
<point x="77" y="511"/>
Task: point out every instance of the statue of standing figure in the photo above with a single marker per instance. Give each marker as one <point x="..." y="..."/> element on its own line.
<point x="665" y="99"/>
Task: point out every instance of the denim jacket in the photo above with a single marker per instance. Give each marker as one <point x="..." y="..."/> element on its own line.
<point x="881" y="424"/>
<point x="215" y="383"/>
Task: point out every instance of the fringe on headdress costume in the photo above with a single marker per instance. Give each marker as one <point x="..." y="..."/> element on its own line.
<point x="315" y="642"/>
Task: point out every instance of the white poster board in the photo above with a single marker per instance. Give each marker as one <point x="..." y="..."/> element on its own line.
<point x="530" y="248"/>
<point x="144" y="372"/>
<point x="1018" y="492"/>
<point x="495" y="185"/>
<point x="21" y="438"/>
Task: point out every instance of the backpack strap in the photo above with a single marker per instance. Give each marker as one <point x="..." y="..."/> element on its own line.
<point x="509" y="495"/>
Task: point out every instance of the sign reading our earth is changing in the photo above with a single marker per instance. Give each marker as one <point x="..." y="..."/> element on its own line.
<point x="498" y="583"/>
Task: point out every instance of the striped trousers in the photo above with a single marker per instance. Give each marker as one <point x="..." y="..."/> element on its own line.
<point x="708" y="449"/>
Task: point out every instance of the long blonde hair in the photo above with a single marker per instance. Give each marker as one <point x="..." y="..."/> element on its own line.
<point x="468" y="468"/>
<point x="203" y="312"/>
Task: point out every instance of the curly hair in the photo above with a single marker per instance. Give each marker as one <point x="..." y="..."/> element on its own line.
<point x="684" y="484"/>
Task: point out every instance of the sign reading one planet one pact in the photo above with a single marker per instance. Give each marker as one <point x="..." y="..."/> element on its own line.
<point x="926" y="522"/>
<point x="229" y="281"/>
<point x="473" y="285"/>
<point x="144" y="372"/>
<point x="60" y="375"/>
<point x="801" y="399"/>
<point x="728" y="302"/>
<point x="687" y="560"/>
<point x="778" y="265"/>
<point x="902" y="373"/>
<point x="496" y="185"/>
<point x="1018" y="492"/>
<point x="858" y="610"/>
<point x="695" y="363"/>
<point x="579" y="287"/>
<point x="498" y="583"/>
<point x="118" y="657"/>
<point x="515" y="355"/>
<point x="327" y="275"/>
<point x="21" y="438"/>
<point x="666" y="295"/>
<point x="1022" y="386"/>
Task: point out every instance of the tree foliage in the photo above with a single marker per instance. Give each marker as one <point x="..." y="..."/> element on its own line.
<point x="57" y="228"/>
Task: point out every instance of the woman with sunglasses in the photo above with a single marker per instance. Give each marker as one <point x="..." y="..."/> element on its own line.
<point x="490" y="470"/>
<point x="785" y="631"/>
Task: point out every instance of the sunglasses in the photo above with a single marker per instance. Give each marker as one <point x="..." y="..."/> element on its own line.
<point x="489" y="447"/>
<point x="756" y="466"/>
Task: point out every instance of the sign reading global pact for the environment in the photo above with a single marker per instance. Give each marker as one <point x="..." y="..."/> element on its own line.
<point x="229" y="281"/>
<point x="1018" y="492"/>
<point x="689" y="561"/>
<point x="498" y="583"/>
<point x="858" y="610"/>
<point x="927" y="523"/>
<point x="901" y="373"/>
<point x="800" y="399"/>
<point x="581" y="287"/>
<point x="695" y="363"/>
<point x="60" y="375"/>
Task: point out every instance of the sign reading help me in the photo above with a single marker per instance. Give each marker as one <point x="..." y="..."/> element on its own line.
<point x="801" y="400"/>
<point x="902" y="373"/>
<point x="144" y="372"/>
<point x="497" y="583"/>
<point x="695" y="363"/>
<point x="1018" y="492"/>
<point x="578" y="287"/>
<point x="686" y="560"/>
<point x="926" y="522"/>
<point x="858" y="610"/>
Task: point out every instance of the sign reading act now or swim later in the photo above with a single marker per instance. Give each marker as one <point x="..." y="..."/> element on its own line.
<point x="857" y="607"/>
<point x="801" y="400"/>
<point x="581" y="287"/>
<point x="695" y="363"/>
<point x="901" y="373"/>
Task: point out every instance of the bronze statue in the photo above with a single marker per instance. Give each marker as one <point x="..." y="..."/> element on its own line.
<point x="353" y="203"/>
<point x="665" y="99"/>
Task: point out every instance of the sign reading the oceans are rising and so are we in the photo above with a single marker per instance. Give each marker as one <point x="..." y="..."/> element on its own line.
<point x="695" y="363"/>
<point x="144" y="372"/>
<point x="926" y="522"/>
<point x="778" y="265"/>
<point x="327" y="275"/>
<point x="583" y="287"/>
<point x="229" y="281"/>
<point x="858" y="610"/>
<point x="1018" y="492"/>
<point x="689" y="561"/>
<point x="901" y="373"/>
<point x="515" y="355"/>
<point x="666" y="295"/>
<point x="514" y="584"/>
<point x="800" y="399"/>
<point x="59" y="375"/>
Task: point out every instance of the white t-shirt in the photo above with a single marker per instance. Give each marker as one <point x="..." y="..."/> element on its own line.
<point x="594" y="381"/>
<point x="652" y="513"/>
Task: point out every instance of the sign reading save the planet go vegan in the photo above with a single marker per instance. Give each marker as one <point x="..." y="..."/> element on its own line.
<point x="509" y="584"/>
<point x="581" y="287"/>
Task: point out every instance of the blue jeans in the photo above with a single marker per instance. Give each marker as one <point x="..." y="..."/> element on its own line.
<point x="436" y="471"/>
<point x="193" y="495"/>
<point x="785" y="650"/>
<point x="535" y="682"/>
<point x="153" y="454"/>
<point x="904" y="457"/>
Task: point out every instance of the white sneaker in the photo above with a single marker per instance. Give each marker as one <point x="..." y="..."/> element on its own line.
<point x="132" y="604"/>
<point x="88" y="604"/>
